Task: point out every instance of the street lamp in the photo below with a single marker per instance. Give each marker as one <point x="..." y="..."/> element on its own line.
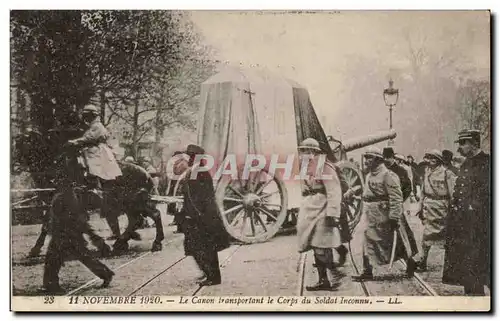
<point x="391" y="96"/>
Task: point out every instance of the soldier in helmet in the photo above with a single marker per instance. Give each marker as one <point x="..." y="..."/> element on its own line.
<point x="319" y="217"/>
<point x="383" y="202"/>
<point x="438" y="185"/>
<point x="98" y="157"/>
<point x="129" y="160"/>
<point x="467" y="250"/>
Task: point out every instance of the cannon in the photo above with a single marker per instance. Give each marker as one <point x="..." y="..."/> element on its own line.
<point x="246" y="112"/>
<point x="340" y="149"/>
<point x="351" y="172"/>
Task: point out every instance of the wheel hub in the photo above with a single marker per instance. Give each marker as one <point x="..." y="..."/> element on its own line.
<point x="251" y="201"/>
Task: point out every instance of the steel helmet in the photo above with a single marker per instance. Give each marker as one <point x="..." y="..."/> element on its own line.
<point x="400" y="157"/>
<point x="90" y="109"/>
<point x="435" y="154"/>
<point x="374" y="152"/>
<point x="129" y="159"/>
<point x="310" y="143"/>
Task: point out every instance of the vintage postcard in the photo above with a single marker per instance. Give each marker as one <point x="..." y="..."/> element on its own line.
<point x="250" y="160"/>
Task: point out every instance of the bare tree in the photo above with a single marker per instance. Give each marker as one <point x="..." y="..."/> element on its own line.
<point x="475" y="101"/>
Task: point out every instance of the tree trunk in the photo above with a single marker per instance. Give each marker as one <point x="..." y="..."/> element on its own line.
<point x="159" y="129"/>
<point x="135" y="130"/>
<point x="102" y="101"/>
<point x="21" y="109"/>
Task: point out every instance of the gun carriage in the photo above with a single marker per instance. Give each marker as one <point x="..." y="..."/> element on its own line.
<point x="253" y="112"/>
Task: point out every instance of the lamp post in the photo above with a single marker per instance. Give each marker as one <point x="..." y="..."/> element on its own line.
<point x="391" y="96"/>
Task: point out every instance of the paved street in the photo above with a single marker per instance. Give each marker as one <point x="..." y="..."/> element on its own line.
<point x="271" y="268"/>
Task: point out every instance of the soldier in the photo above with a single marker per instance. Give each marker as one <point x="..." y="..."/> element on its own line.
<point x="438" y="187"/>
<point x="319" y="218"/>
<point x="467" y="249"/>
<point x="101" y="168"/>
<point x="129" y="159"/>
<point x="67" y="228"/>
<point x="132" y="189"/>
<point x="401" y="161"/>
<point x="383" y="202"/>
<point x="417" y="182"/>
<point x="201" y="223"/>
<point x="98" y="157"/>
<point x="421" y="170"/>
<point x="147" y="164"/>
<point x="392" y="165"/>
<point x="447" y="161"/>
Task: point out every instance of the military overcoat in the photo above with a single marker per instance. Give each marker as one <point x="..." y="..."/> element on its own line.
<point x="321" y="198"/>
<point x="468" y="243"/>
<point x="383" y="201"/>
<point x="438" y="185"/>
<point x="98" y="155"/>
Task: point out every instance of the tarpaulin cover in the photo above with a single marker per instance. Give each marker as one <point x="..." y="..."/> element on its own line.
<point x="254" y="112"/>
<point x="249" y="111"/>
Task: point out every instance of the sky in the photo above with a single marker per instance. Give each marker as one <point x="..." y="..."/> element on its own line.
<point x="322" y="50"/>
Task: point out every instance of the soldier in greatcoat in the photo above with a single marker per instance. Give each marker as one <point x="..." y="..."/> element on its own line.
<point x="200" y="221"/>
<point x="98" y="156"/>
<point x="467" y="250"/>
<point x="319" y="217"/>
<point x="382" y="206"/>
<point x="438" y="185"/>
<point x="392" y="165"/>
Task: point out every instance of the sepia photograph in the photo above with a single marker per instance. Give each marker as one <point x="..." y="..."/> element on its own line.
<point x="272" y="160"/>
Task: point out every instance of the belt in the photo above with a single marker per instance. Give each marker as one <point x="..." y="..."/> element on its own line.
<point x="311" y="192"/>
<point x="374" y="199"/>
<point x="437" y="197"/>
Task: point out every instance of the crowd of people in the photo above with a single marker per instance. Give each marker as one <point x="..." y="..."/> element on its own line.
<point x="453" y="195"/>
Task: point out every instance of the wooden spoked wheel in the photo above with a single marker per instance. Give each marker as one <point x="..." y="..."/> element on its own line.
<point x="254" y="209"/>
<point x="353" y="197"/>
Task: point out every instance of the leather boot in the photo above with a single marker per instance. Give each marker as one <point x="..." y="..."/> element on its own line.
<point x="342" y="251"/>
<point x="411" y="266"/>
<point x="322" y="283"/>
<point x="365" y="276"/>
<point x="335" y="276"/>
<point x="107" y="279"/>
<point x="54" y="289"/>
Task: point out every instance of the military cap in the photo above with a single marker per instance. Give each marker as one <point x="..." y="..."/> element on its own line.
<point x="90" y="109"/>
<point x="388" y="152"/>
<point x="435" y="154"/>
<point x="310" y="143"/>
<point x="192" y="150"/>
<point x="374" y="152"/>
<point x="469" y="134"/>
